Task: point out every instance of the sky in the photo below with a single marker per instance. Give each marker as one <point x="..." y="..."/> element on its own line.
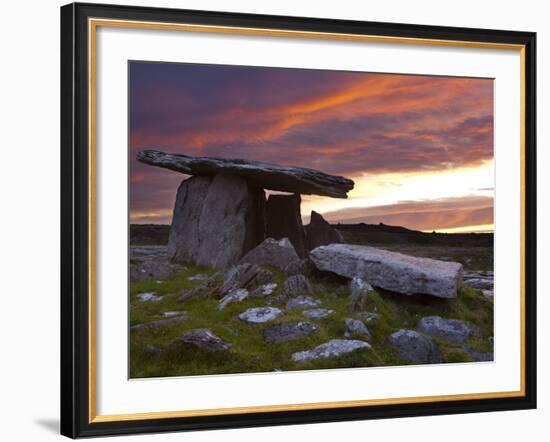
<point x="419" y="148"/>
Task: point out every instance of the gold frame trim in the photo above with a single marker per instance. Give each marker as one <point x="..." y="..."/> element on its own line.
<point x="93" y="24"/>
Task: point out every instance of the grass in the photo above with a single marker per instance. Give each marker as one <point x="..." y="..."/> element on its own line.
<point x="249" y="351"/>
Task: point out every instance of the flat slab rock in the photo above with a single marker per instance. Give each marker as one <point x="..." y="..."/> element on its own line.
<point x="452" y="330"/>
<point x="303" y="302"/>
<point x="355" y="327"/>
<point x="415" y="347"/>
<point x="260" y="174"/>
<point x="235" y="295"/>
<point x="259" y="315"/>
<point x="287" y="331"/>
<point x="148" y="297"/>
<point x="331" y="349"/>
<point x="317" y="313"/>
<point x="160" y="323"/>
<point x="204" y="339"/>
<point x="392" y="271"/>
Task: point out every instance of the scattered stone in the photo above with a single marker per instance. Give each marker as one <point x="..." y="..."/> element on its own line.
<point x="277" y="253"/>
<point x="205" y="204"/>
<point x="452" y="330"/>
<point x="258" y="315"/>
<point x="268" y="176"/>
<point x="198" y="277"/>
<point x="284" y="220"/>
<point x="172" y="314"/>
<point x="152" y="266"/>
<point x="479" y="356"/>
<point x="319" y="232"/>
<point x="287" y="331"/>
<point x="264" y="290"/>
<point x="331" y="349"/>
<point x="488" y="293"/>
<point x="148" y="296"/>
<point x="479" y="283"/>
<point x="359" y="290"/>
<point x="235" y="295"/>
<point x="390" y="270"/>
<point x="303" y="302"/>
<point x="355" y="327"/>
<point x="159" y="323"/>
<point x="416" y="347"/>
<point x="317" y="313"/>
<point x="369" y="316"/>
<point x="204" y="339"/>
<point x="297" y="285"/>
<point x="247" y="276"/>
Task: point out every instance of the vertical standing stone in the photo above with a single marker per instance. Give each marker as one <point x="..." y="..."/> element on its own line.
<point x="285" y="221"/>
<point x="217" y="219"/>
<point x="320" y="233"/>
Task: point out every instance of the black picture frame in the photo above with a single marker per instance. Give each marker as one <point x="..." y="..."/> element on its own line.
<point x="75" y="219"/>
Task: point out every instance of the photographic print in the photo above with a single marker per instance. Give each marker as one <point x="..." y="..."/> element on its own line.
<point x="296" y="219"/>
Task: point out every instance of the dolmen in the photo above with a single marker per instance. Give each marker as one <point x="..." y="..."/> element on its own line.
<point x="221" y="212"/>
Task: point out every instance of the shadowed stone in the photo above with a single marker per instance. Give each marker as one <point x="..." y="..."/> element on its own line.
<point x="331" y="349"/>
<point x="284" y="220"/>
<point x="355" y="327"/>
<point x="390" y="270"/>
<point x="277" y="253"/>
<point x="452" y="330"/>
<point x="236" y="295"/>
<point x="319" y="232"/>
<point x="297" y="285"/>
<point x="415" y="347"/>
<point x="204" y="339"/>
<point x="216" y="220"/>
<point x="264" y="175"/>
<point x="287" y="331"/>
<point x="264" y="290"/>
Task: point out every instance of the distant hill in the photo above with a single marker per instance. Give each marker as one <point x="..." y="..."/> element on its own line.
<point x="361" y="233"/>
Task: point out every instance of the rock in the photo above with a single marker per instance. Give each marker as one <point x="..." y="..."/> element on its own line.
<point x="331" y="349"/>
<point x="479" y="356"/>
<point x="263" y="290"/>
<point x="265" y="175"/>
<point x="284" y="220"/>
<point x="235" y="295"/>
<point x="148" y="296"/>
<point x="246" y="276"/>
<point x="354" y="327"/>
<point x="216" y="220"/>
<point x="416" y="347"/>
<point x="359" y="290"/>
<point x="479" y="283"/>
<point x="277" y="253"/>
<point x="297" y="285"/>
<point x="369" y="316"/>
<point x="151" y="262"/>
<point x="488" y="293"/>
<point x="198" y="277"/>
<point x="303" y="302"/>
<point x="319" y="232"/>
<point x="204" y="339"/>
<point x="171" y="314"/>
<point x="152" y="350"/>
<point x="452" y="330"/>
<point x="390" y="270"/>
<point x="317" y="313"/>
<point x="260" y="315"/>
<point x="287" y="331"/>
<point x="160" y="323"/>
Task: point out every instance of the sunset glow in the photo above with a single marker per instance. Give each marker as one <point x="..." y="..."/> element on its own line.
<point x="419" y="148"/>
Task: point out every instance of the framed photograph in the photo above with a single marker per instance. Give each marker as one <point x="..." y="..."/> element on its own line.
<point x="275" y="220"/>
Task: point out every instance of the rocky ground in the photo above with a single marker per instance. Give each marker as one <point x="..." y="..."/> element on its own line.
<point x="256" y="317"/>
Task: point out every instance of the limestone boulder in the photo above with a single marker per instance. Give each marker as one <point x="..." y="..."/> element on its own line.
<point x="287" y="331"/>
<point x="319" y="232"/>
<point x="279" y="253"/>
<point x="331" y="349"/>
<point x="392" y="271"/>
<point x="452" y="330"/>
<point x="415" y="347"/>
